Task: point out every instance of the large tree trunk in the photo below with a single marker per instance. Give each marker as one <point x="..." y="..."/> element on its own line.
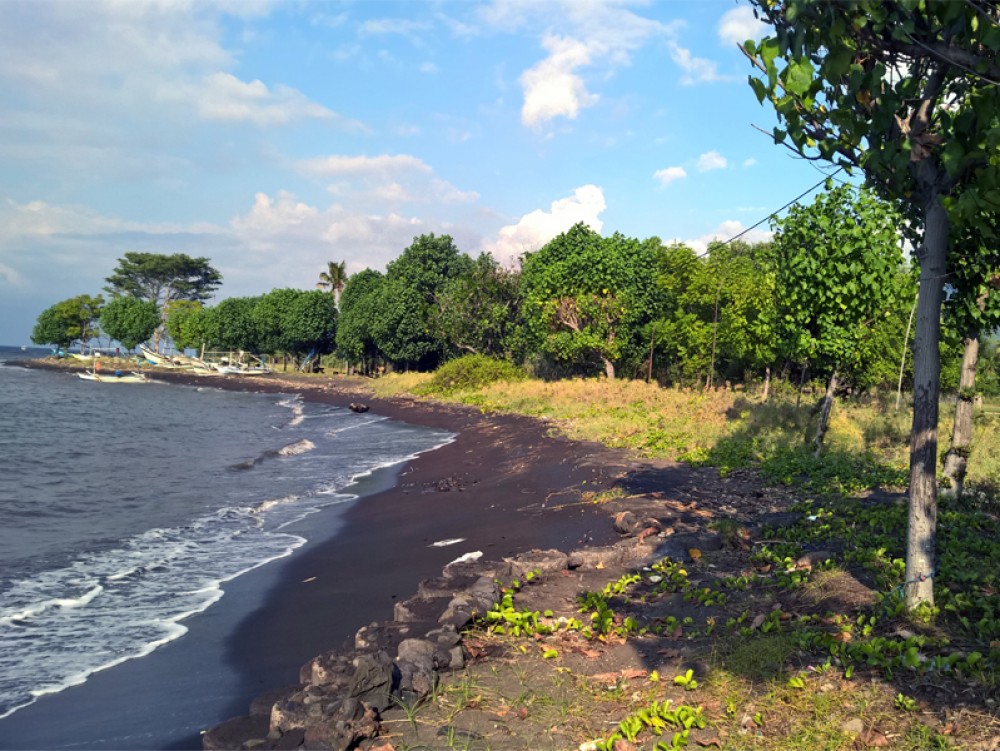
<point x="961" y="435"/>
<point x="609" y="368"/>
<point x="922" y="522"/>
<point x="824" y="413"/>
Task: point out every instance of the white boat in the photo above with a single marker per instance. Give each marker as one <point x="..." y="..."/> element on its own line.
<point x="114" y="377"/>
<point x="247" y="370"/>
<point x="155" y="358"/>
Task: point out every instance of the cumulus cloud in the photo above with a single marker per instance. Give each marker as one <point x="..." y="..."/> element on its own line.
<point x="552" y="88"/>
<point x="727" y="230"/>
<point x="669" y="174"/>
<point x="535" y="229"/>
<point x="711" y="160"/>
<point x="738" y="25"/>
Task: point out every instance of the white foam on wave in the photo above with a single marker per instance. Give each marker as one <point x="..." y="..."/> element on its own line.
<point x="125" y="603"/>
<point x="299" y="447"/>
<point x="294" y="403"/>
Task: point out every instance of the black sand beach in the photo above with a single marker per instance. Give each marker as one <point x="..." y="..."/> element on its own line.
<point x="499" y="486"/>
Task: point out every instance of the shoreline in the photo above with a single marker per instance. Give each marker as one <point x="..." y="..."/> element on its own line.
<point x="498" y="486"/>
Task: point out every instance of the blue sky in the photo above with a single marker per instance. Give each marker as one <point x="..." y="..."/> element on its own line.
<point x="272" y="137"/>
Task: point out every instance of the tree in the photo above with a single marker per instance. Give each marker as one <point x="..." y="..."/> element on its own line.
<point x="906" y="92"/>
<point x="162" y="279"/>
<point x="129" y="320"/>
<point x="479" y="310"/>
<point x="333" y="279"/>
<point x="189" y="324"/>
<point x="404" y="327"/>
<point x="838" y="263"/>
<point x="358" y="309"/>
<point x="69" y="321"/>
<point x="233" y="325"/>
<point x="295" y="322"/>
<point x="587" y="298"/>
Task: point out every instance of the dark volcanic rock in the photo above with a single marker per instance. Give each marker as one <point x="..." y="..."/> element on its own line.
<point x="374" y="680"/>
<point x="235" y="732"/>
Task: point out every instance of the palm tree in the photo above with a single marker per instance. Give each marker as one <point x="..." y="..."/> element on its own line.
<point x="333" y="278"/>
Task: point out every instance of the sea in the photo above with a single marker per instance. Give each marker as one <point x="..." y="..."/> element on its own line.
<point x="127" y="509"/>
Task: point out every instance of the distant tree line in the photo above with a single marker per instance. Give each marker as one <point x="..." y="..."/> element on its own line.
<point x="829" y="298"/>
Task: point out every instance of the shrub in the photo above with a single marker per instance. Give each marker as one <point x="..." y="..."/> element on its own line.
<point x="471" y="372"/>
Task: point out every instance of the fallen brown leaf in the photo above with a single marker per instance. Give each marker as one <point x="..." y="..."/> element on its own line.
<point x="633" y="673"/>
<point x="871" y="738"/>
<point x="623" y="745"/>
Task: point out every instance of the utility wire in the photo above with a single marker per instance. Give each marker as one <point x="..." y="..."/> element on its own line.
<point x="774" y="213"/>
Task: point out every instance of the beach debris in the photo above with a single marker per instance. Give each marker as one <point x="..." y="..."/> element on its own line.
<point x="310" y="579"/>
<point x="475" y="555"/>
<point x="446" y="543"/>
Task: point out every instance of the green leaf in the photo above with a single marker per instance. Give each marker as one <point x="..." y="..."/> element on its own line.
<point x="799" y="76"/>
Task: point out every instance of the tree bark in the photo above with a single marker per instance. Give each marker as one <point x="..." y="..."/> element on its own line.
<point x="922" y="520"/>
<point x="767" y="382"/>
<point x="609" y="368"/>
<point x="824" y="413"/>
<point x="956" y="459"/>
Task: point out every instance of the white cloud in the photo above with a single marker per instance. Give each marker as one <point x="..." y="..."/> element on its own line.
<point x="669" y="174"/>
<point x="224" y="97"/>
<point x="750" y="162"/>
<point x="696" y="69"/>
<point x="535" y="229"/>
<point x="738" y="25"/>
<point x="711" y="160"/>
<point x="551" y="88"/>
<point x="403" y="27"/>
<point x="595" y="36"/>
<point x="726" y="231"/>
<point x="363" y="166"/>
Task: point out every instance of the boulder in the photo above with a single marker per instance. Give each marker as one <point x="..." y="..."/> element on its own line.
<point x="374" y="680"/>
<point x="234" y="733"/>
<point x="539" y="561"/>
<point x="262" y="704"/>
<point x="346" y="724"/>
<point x="625" y="522"/>
<point x="329" y="669"/>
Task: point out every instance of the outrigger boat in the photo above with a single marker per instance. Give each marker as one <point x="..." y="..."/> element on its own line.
<point x="115" y="377"/>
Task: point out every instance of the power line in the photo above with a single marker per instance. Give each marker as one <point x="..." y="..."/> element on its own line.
<point x="774" y="213"/>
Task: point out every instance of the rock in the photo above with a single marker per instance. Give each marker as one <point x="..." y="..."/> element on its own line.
<point x="591" y="558"/>
<point x="418" y="652"/>
<point x="348" y="724"/>
<point x="814" y="558"/>
<point x="329" y="669"/>
<point x="853" y="726"/>
<point x="625" y="522"/>
<point x="538" y="561"/>
<point x="234" y="733"/>
<point x="374" y="680"/>
<point x="415" y="681"/>
<point x="262" y="704"/>
<point x="456" y="658"/>
<point x="446" y="636"/>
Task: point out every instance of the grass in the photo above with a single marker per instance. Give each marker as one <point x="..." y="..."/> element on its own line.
<point x="867" y="444"/>
<point x="823" y="658"/>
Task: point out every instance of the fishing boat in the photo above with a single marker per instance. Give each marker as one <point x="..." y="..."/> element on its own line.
<point x="114" y="377"/>
<point x="155" y="358"/>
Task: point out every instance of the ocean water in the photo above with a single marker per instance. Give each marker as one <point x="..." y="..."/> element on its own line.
<point x="125" y="508"/>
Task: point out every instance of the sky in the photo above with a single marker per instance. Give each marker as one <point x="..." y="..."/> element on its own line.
<point x="274" y="137"/>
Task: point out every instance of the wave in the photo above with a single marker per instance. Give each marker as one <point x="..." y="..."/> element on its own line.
<point x="123" y="603"/>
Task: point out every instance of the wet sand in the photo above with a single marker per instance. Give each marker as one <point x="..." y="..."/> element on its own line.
<point x="503" y="485"/>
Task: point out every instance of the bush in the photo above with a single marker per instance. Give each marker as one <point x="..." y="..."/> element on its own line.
<point x="471" y="372"/>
